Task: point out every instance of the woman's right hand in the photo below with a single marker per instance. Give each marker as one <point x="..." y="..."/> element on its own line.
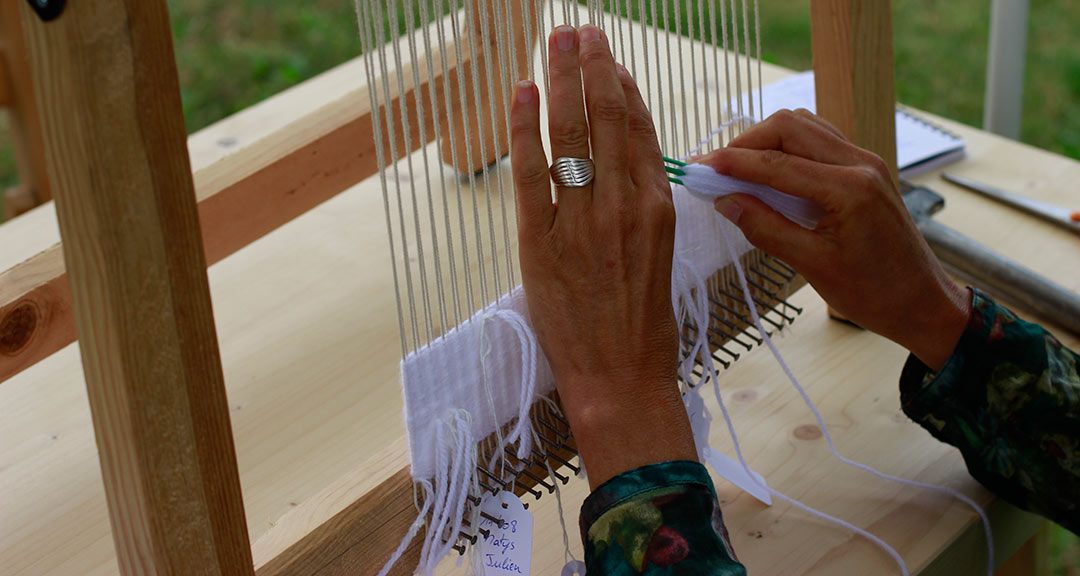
<point x="866" y="258"/>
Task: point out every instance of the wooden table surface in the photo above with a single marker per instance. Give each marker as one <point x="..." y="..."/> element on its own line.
<point x="308" y="335"/>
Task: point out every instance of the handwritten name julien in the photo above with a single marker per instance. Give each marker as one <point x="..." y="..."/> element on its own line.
<point x="505" y="564"/>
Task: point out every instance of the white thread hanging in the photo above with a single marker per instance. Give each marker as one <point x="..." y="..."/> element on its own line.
<point x="832" y="448"/>
<point x="414" y="528"/>
<point x="808" y="216"/>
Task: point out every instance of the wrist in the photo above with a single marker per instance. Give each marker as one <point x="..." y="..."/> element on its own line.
<point x="627" y="427"/>
<point x="934" y="339"/>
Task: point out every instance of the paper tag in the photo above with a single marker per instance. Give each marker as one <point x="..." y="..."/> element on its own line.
<point x="730" y="469"/>
<point x="507" y="548"/>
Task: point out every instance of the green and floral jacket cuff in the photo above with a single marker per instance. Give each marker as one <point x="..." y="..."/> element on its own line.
<point x="1009" y="399"/>
<point x="657" y="519"/>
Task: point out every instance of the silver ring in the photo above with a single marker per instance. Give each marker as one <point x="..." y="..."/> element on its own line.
<point x="572" y="172"/>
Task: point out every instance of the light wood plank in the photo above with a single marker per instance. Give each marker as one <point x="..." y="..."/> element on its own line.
<point x="479" y="94"/>
<point x="37" y="319"/>
<point x="125" y="202"/>
<point x="354" y="525"/>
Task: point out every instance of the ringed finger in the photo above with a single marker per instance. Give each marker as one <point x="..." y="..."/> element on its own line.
<point x="606" y="108"/>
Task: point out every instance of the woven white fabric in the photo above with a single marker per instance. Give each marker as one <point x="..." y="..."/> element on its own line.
<point x="450" y="373"/>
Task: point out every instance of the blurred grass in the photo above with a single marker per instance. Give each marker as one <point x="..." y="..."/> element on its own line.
<point x="233" y="54"/>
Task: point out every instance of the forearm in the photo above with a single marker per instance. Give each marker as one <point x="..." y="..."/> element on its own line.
<point x="1009" y="399"/>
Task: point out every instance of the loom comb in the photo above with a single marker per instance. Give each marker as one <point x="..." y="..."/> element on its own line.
<point x="707" y="184"/>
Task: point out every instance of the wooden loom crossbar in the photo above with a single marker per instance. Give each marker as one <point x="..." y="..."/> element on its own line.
<point x="142" y="224"/>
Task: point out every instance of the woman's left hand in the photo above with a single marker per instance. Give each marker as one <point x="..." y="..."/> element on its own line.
<point x="596" y="264"/>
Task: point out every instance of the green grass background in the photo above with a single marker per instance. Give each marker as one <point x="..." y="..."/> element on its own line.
<point x="233" y="54"/>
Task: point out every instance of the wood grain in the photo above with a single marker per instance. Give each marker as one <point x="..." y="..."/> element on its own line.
<point x="125" y="201"/>
<point x="853" y="72"/>
<point x="353" y="525"/>
<point x="37" y="318"/>
<point x="253" y="173"/>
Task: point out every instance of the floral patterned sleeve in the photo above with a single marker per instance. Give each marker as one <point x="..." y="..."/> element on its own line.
<point x="657" y="519"/>
<point x="1009" y="399"/>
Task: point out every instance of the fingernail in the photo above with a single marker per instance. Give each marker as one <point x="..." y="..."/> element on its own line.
<point x="565" y="37"/>
<point x="729" y="209"/>
<point x="525" y="91"/>
<point x="589" y="33"/>
<point x="621" y="70"/>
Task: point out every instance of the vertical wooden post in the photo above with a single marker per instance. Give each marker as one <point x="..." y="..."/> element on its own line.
<point x="26" y="136"/>
<point x="478" y="106"/>
<point x="853" y="71"/>
<point x="109" y="102"/>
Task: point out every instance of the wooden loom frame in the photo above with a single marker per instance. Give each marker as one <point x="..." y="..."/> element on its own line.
<point x="141" y="222"/>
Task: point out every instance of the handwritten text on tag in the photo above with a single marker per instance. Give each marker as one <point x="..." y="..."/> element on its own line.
<point x="507" y="548"/>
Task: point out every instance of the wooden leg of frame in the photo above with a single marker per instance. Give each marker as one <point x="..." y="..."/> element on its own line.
<point x="853" y="72"/>
<point x="18" y="96"/>
<point x="481" y="96"/>
<point x="109" y="94"/>
<point x="853" y="75"/>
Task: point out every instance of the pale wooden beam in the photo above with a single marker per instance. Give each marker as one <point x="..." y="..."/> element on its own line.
<point x="36" y="319"/>
<point x="253" y="172"/>
<point x="853" y="72"/>
<point x="118" y="159"/>
<point x="354" y="525"/>
<point x="358" y="539"/>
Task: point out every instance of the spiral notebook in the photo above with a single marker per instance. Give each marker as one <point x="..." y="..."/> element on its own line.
<point x="920" y="145"/>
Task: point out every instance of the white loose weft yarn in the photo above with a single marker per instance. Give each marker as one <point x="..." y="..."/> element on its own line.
<point x="472" y="370"/>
